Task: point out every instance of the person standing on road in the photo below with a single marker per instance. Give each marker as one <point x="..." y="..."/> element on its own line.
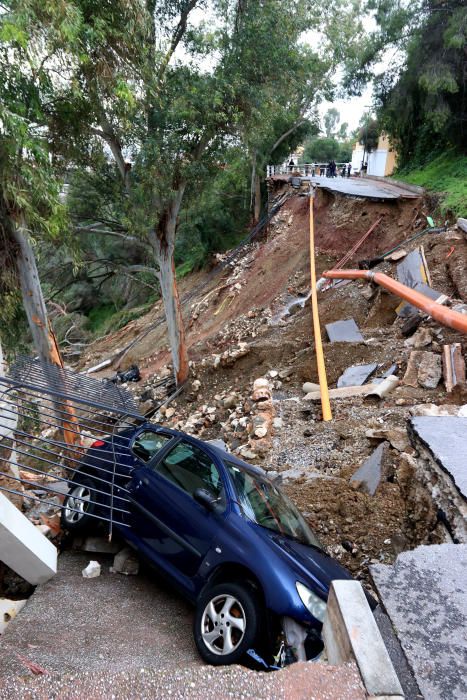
<point x="349" y="168"/>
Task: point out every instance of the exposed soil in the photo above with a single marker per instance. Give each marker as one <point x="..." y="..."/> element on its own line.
<point x="314" y="459"/>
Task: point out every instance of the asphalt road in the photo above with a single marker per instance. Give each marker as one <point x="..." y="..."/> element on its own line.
<point x="357" y="187"/>
<point x="130" y="637"/>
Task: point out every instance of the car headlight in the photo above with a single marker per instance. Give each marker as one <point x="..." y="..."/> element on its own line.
<point x="313" y="603"/>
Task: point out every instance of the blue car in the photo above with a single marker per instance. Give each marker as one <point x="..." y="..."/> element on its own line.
<point x="219" y="530"/>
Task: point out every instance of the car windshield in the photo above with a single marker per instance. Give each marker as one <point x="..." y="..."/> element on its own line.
<point x="266" y="505"/>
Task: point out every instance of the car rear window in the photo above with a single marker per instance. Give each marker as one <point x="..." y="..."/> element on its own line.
<point x="148" y="444"/>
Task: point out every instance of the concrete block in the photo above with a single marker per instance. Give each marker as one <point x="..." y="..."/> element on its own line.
<point x="350" y="633"/>
<point x="23" y="548"/>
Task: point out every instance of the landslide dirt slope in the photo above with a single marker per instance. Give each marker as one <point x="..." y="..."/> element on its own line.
<point x="247" y="303"/>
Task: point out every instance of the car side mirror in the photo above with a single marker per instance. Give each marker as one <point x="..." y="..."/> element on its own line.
<point x="205" y="498"/>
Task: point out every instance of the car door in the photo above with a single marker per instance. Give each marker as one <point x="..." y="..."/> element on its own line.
<point x="174" y="528"/>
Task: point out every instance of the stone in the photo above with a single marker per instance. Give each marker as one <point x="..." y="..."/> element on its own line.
<point x="430" y="371"/>
<point x="92" y="570"/>
<point x="230" y="401"/>
<point x="431" y="409"/>
<point x="277" y="423"/>
<point x="420" y="339"/>
<point x="126" y="562"/>
<point x="397" y="437"/>
<point x="261" y="390"/>
<point x="169" y="412"/>
<point x="273" y="373"/>
<point x="369" y="474"/>
<point x="261" y="432"/>
<point x="424" y="369"/>
<point x="196" y="385"/>
<point x="462" y="224"/>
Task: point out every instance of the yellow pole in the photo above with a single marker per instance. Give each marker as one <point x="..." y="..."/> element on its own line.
<point x="323" y="382"/>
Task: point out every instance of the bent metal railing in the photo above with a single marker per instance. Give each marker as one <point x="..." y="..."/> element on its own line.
<point x="37" y="463"/>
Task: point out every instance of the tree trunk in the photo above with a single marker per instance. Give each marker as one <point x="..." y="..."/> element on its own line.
<point x="36" y="313"/>
<point x="163" y="242"/>
<point x="257" y="209"/>
<point x="33" y="300"/>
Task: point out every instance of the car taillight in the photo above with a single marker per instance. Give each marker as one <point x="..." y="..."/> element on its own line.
<point x="98" y="443"/>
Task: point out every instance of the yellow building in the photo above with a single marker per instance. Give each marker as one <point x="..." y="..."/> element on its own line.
<point x="381" y="161"/>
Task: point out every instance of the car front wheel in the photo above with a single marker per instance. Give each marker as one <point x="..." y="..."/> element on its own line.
<point x="79" y="505"/>
<point x="226" y="623"/>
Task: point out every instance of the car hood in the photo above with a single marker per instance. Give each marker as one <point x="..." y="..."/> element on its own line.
<point x="308" y="560"/>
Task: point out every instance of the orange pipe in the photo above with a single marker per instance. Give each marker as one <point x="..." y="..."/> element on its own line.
<point x="447" y="317"/>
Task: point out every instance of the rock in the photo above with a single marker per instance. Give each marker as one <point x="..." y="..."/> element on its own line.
<point x="246" y="453"/>
<point x="419" y="339"/>
<point x="431" y="409"/>
<point x="126" y="562"/>
<point x="397" y="437"/>
<point x="9" y="610"/>
<point x="273" y="373"/>
<point x="309" y="387"/>
<point x="196" y="385"/>
<point x="93" y="570"/>
<point x="277" y="423"/>
<point x="285" y="373"/>
<point x="261" y="432"/>
<point x="261" y="390"/>
<point x="424" y="369"/>
<point x="430" y="371"/>
<point x="169" y="412"/>
<point x="230" y="401"/>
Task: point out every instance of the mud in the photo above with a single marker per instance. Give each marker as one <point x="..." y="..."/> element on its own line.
<point x="248" y="303"/>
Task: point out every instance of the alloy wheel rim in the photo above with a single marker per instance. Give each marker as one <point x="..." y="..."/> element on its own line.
<point x="223" y="624"/>
<point x="77" y="504"/>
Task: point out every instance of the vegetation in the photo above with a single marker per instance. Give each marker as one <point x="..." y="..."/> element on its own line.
<point x="444" y="174"/>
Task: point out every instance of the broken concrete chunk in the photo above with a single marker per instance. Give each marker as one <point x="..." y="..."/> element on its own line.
<point x="424" y="369"/>
<point x="261" y="390"/>
<point x="429" y="371"/>
<point x="356" y="375"/>
<point x="345" y="392"/>
<point x="462" y="224"/>
<point x="370" y="473"/>
<point x="23" y="548"/>
<point x="430" y="409"/>
<point x="419" y="339"/>
<point x="126" y="562"/>
<point x="92" y="570"/>
<point x="397" y="437"/>
<point x="344" y="332"/>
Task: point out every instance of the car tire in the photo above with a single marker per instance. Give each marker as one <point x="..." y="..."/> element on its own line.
<point x="227" y="623"/>
<point x="77" y="514"/>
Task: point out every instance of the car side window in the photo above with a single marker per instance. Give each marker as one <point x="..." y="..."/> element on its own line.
<point x="190" y="468"/>
<point x="148" y="444"/>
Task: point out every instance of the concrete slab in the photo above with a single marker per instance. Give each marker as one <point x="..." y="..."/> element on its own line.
<point x="356" y="375"/>
<point x="23" y="547"/>
<point x="445" y="437"/>
<point x="350" y="632"/>
<point x="344" y="332"/>
<point x="371" y="470"/>
<point x="411" y="271"/>
<point x="425" y="596"/>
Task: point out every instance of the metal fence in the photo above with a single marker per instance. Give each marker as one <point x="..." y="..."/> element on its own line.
<point x="306" y="169"/>
<point x="40" y="406"/>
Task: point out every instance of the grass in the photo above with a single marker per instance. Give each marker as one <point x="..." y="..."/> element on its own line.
<point x="445" y="175"/>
